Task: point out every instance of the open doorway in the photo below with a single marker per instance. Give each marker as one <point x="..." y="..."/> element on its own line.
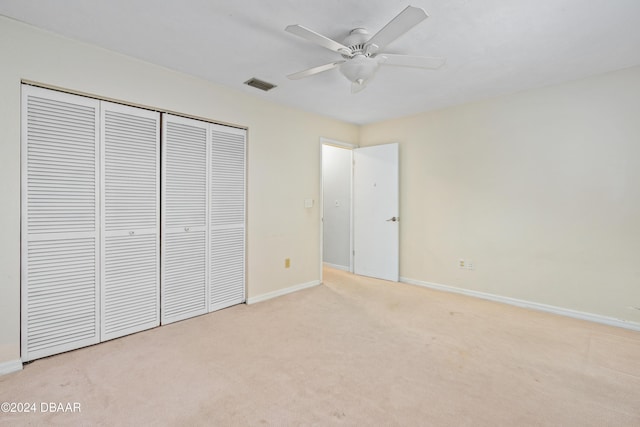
<point x="360" y="209"/>
<point x="336" y="204"/>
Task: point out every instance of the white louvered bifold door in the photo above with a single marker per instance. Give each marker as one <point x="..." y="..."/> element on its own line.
<point x="130" y="220"/>
<point x="227" y="217"/>
<point x="184" y="218"/>
<point x="60" y="222"/>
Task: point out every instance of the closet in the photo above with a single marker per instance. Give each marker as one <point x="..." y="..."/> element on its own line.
<point x="92" y="268"/>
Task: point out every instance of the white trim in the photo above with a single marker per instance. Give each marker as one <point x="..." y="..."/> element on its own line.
<point x="336" y="143"/>
<point x="285" y="291"/>
<point x="10" y="366"/>
<point x="321" y="213"/>
<point x="597" y="318"/>
<point x="351" y="220"/>
<point x="337" y="267"/>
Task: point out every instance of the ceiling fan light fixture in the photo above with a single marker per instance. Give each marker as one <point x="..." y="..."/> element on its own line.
<point x="359" y="68"/>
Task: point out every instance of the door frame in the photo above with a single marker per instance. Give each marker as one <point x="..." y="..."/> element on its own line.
<point x="346" y="146"/>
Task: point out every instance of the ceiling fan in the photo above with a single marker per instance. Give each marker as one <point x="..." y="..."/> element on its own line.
<point x="363" y="54"/>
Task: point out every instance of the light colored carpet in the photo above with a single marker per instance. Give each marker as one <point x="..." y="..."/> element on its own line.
<point x="354" y="351"/>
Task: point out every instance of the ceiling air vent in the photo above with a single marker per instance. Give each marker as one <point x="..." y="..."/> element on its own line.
<point x="259" y="84"/>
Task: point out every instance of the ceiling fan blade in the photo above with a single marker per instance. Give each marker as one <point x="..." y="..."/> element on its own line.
<point x="314" y="70"/>
<point x="430" y="63"/>
<point x="403" y="22"/>
<point x="318" y="39"/>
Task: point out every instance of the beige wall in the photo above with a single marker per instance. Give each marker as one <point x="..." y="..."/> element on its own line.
<point x="283" y="155"/>
<point x="540" y="189"/>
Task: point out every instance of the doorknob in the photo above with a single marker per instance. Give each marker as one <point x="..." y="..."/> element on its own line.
<point x="394" y="219"/>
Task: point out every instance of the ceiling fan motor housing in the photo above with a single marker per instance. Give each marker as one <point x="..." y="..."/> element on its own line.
<point x="356" y="41"/>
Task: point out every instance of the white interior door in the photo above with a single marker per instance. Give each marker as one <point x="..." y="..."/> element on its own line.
<point x="60" y="222"/>
<point x="226" y="217"/>
<point x="130" y="206"/>
<point x="184" y="249"/>
<point x="376" y="211"/>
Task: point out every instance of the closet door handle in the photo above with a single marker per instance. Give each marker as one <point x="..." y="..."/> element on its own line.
<point x="186" y="229"/>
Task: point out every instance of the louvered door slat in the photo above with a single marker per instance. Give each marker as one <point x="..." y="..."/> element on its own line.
<point x="184" y="220"/>
<point x="131" y="220"/>
<point x="60" y="222"/>
<point x="227" y="217"/>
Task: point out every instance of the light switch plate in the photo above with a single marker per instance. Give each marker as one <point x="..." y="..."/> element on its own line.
<point x="308" y="203"/>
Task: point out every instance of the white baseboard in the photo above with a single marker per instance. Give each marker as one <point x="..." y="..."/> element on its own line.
<point x="337" y="267"/>
<point x="281" y="292"/>
<point x="10" y="366"/>
<point x="611" y="321"/>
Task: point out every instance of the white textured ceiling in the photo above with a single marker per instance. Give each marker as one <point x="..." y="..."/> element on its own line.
<point x="493" y="47"/>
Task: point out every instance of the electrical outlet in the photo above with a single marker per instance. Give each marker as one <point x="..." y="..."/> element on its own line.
<point x="287" y="262"/>
<point x="461" y="263"/>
